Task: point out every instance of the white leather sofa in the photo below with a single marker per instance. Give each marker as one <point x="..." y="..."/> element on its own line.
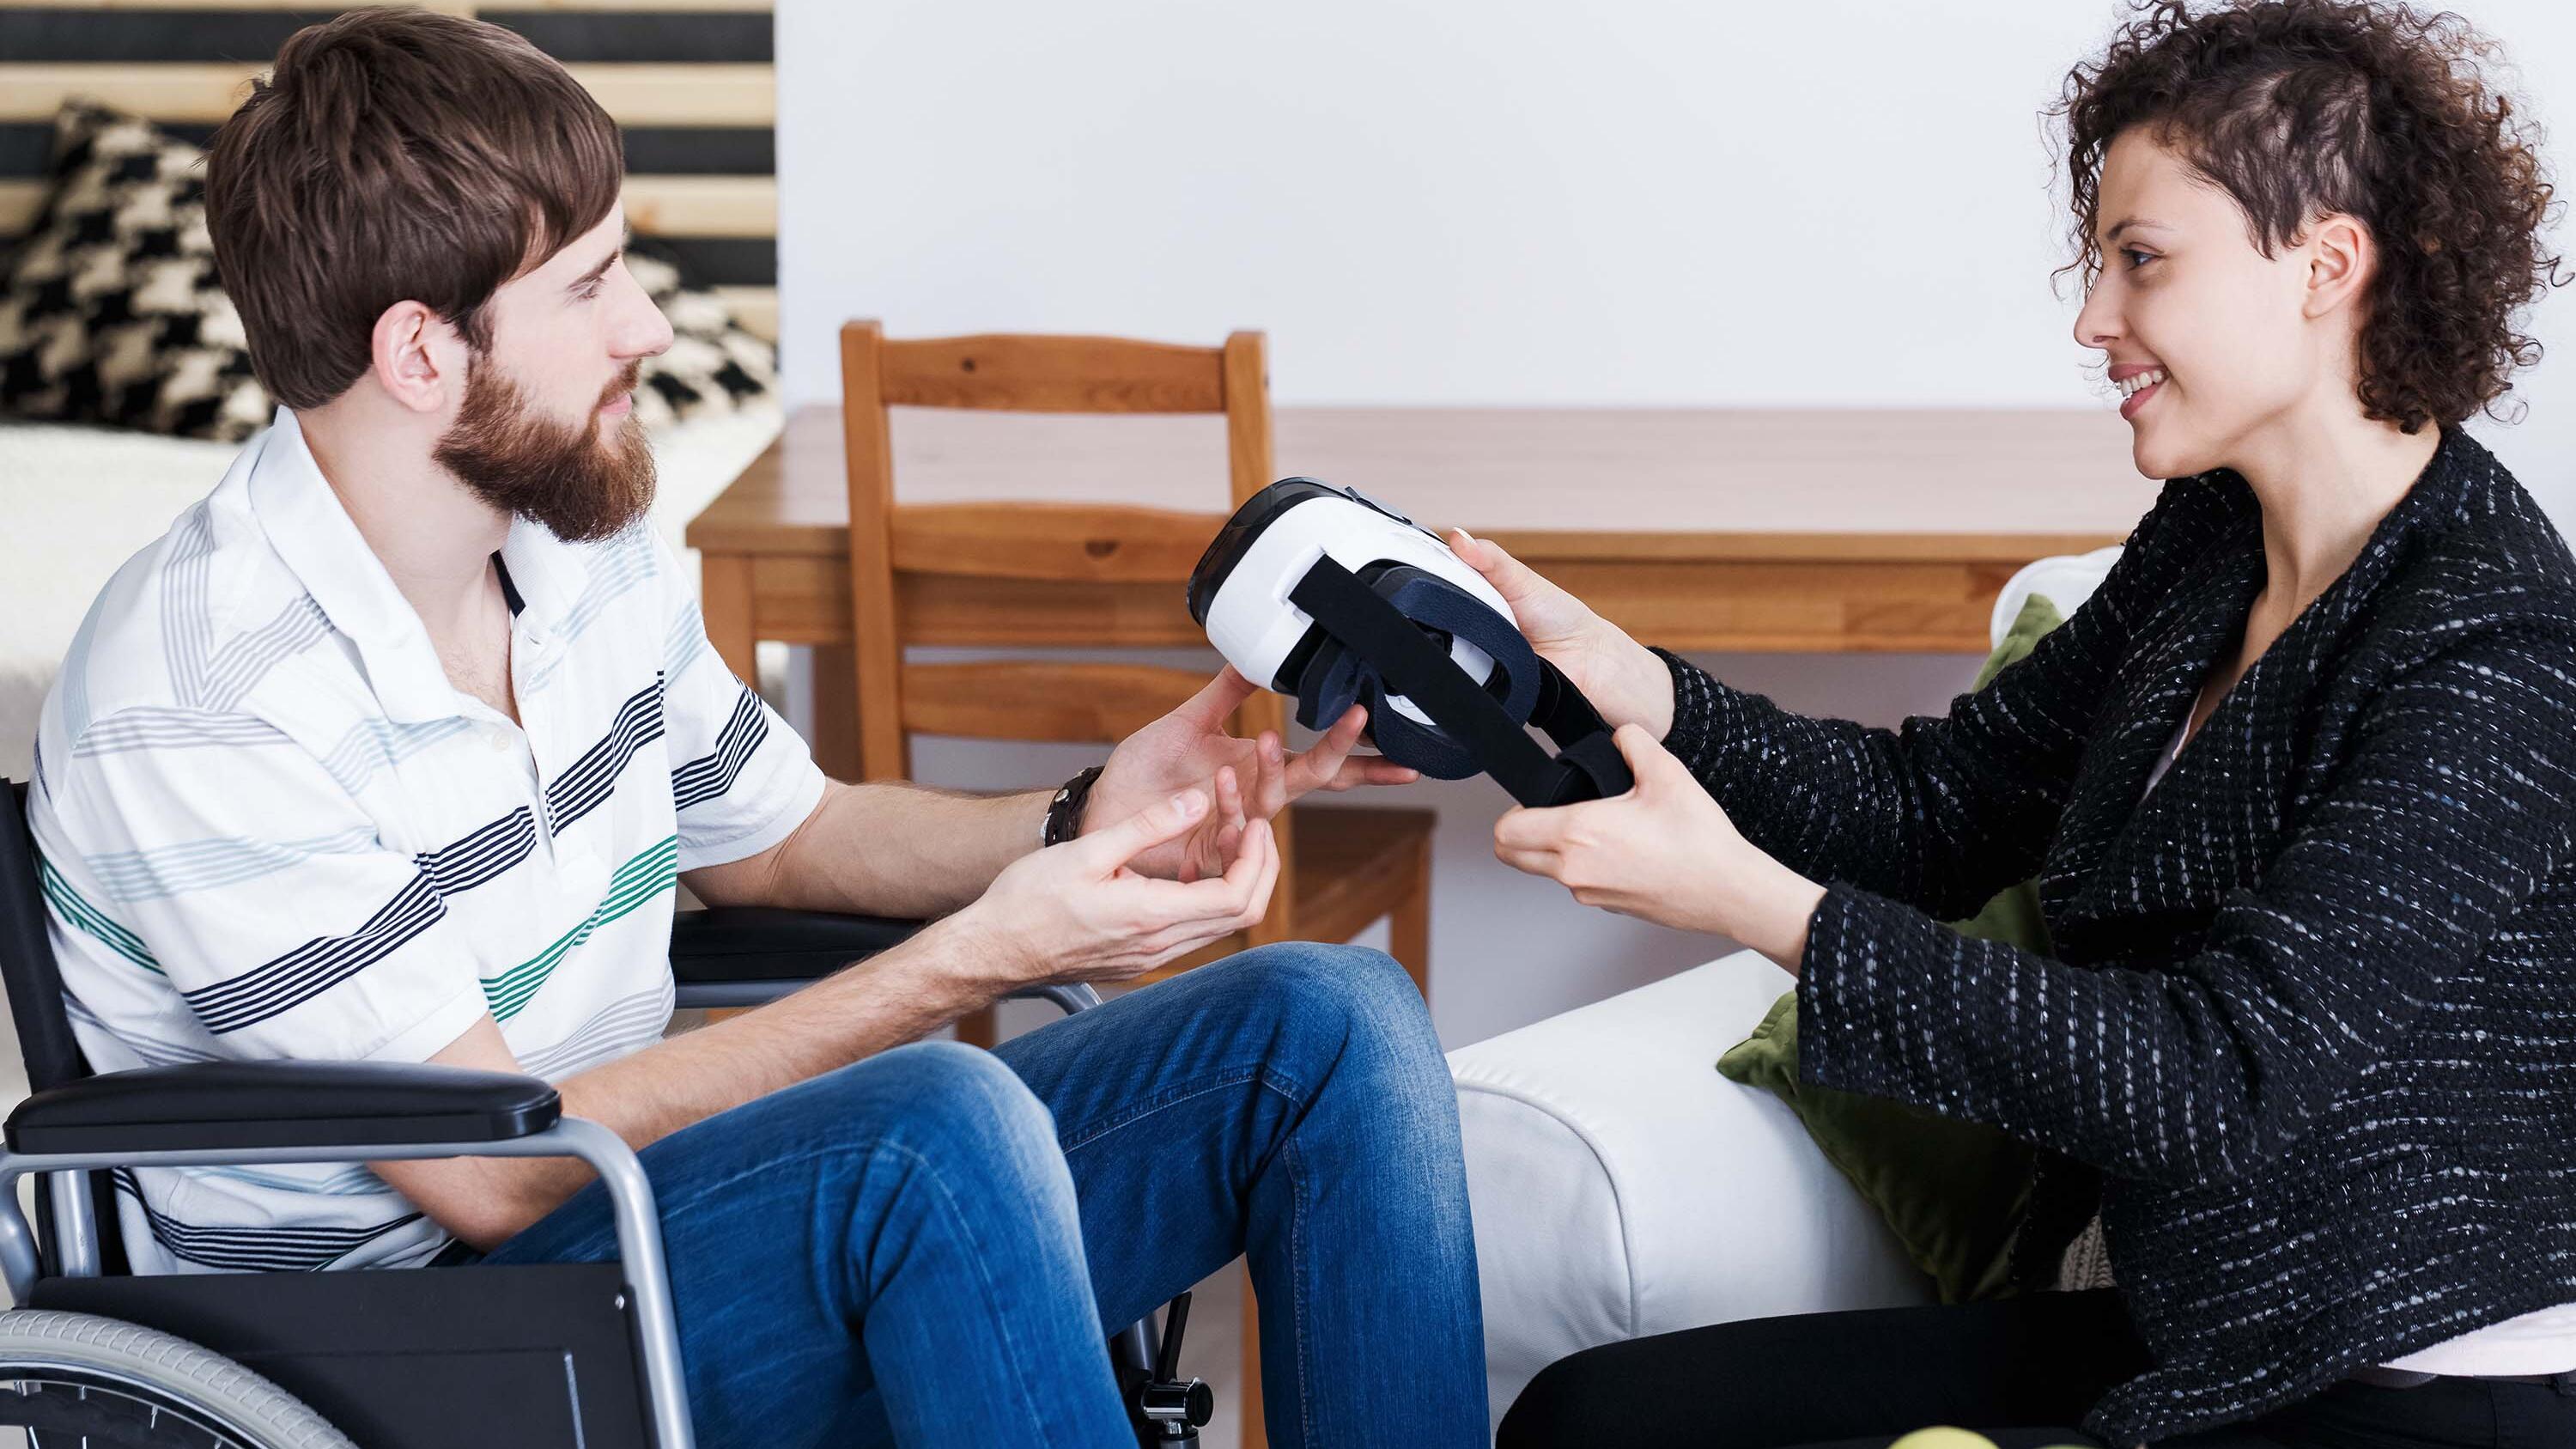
<point x="1622" y="1187"/>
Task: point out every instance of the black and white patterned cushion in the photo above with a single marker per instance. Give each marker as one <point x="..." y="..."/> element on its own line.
<point x="712" y="365"/>
<point x="112" y="312"/>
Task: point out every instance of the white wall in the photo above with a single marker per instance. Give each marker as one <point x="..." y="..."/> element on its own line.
<point x="1833" y="203"/>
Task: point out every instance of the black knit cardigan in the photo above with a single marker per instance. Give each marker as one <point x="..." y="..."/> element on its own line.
<point x="2308" y="1039"/>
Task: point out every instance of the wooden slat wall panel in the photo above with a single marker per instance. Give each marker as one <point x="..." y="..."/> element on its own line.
<point x="690" y="81"/>
<point x="19" y="201"/>
<point x="703" y="205"/>
<point x="462" y="7"/>
<point x="35" y="31"/>
<point x="661" y="95"/>
<point x="755" y="308"/>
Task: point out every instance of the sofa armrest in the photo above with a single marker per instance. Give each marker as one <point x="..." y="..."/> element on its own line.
<point x="218" y="1106"/>
<point x="1622" y="1187"/>
<point x="2067" y="579"/>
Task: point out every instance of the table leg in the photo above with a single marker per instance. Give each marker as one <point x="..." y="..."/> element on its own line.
<point x="724" y="601"/>
<point x="836" y="711"/>
<point x="724" y="598"/>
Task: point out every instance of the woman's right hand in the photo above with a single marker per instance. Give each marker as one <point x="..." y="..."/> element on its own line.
<point x="1623" y="679"/>
<point x="1080" y="912"/>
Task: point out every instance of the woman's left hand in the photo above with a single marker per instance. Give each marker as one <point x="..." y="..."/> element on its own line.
<point x="1664" y="852"/>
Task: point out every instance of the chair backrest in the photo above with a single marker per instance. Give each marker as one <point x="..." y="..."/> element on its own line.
<point x="1028" y="574"/>
<point x="45" y="1040"/>
<point x="27" y="965"/>
<point x="1033" y="575"/>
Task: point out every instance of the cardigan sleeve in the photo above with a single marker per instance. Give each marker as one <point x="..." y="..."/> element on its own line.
<point x="1939" y="812"/>
<point x="2455" y="799"/>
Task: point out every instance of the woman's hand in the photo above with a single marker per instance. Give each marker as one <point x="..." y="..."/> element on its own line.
<point x="1081" y="912"/>
<point x="1664" y="852"/>
<point x="1248" y="780"/>
<point x="1624" y="680"/>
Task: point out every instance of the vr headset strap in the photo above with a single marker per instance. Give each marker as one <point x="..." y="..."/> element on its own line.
<point x="1411" y="665"/>
<point x="1581" y="733"/>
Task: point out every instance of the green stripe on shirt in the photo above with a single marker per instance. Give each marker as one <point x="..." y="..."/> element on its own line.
<point x="653" y="870"/>
<point x="92" y="921"/>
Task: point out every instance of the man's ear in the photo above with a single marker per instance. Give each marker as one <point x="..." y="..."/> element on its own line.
<point x="418" y="358"/>
<point x="2342" y="255"/>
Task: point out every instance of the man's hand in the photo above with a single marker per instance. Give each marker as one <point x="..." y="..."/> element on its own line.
<point x="1247" y="780"/>
<point x="1624" y="681"/>
<point x="1664" y="852"/>
<point x="1080" y="911"/>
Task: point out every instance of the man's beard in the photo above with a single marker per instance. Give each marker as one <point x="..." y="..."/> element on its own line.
<point x="555" y="473"/>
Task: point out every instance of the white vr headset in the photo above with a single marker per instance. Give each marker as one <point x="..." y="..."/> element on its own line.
<point x="1330" y="597"/>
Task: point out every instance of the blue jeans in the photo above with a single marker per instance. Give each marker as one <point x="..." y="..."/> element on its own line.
<point x="929" y="1246"/>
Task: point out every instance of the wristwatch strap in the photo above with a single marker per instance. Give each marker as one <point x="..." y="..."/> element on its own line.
<point x="1064" y="812"/>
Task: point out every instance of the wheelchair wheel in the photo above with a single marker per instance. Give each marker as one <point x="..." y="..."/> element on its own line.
<point x="73" y="1379"/>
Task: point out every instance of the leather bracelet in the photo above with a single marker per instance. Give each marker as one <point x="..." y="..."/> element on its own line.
<point x="1064" y="812"/>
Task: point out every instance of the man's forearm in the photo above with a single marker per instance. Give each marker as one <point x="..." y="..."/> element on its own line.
<point x="885" y="849"/>
<point x="898" y="996"/>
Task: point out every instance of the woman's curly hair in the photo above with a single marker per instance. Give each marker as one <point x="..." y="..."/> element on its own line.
<point x="2305" y="108"/>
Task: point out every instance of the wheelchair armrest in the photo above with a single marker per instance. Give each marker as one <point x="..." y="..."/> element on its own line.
<point x="221" y="1105"/>
<point x="765" y="943"/>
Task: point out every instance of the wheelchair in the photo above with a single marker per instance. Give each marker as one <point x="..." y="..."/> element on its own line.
<point x="549" y="1356"/>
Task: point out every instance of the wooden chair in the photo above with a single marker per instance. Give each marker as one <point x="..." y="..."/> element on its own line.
<point x="1088" y="575"/>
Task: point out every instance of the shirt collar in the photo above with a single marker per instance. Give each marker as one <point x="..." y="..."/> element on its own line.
<point x="318" y="541"/>
<point x="549" y="575"/>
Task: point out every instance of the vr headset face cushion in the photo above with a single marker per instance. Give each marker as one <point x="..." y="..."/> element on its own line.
<point x="1337" y="678"/>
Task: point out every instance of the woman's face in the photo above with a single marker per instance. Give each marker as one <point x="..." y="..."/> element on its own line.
<point x="2184" y="295"/>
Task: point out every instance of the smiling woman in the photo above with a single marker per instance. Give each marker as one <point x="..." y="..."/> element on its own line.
<point x="2297" y="1044"/>
<point x="2265" y="132"/>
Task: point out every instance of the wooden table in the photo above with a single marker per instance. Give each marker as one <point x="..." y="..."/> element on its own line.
<point x="1700" y="529"/>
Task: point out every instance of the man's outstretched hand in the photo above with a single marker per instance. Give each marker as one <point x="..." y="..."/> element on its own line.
<point x="1246" y="780"/>
<point x="1082" y="912"/>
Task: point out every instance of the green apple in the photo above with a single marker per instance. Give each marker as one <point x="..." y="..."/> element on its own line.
<point x="1943" y="1438"/>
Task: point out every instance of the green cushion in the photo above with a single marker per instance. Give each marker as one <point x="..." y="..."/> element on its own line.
<point x="1953" y="1192"/>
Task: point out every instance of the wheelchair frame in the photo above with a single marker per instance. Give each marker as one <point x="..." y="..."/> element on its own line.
<point x="639" y="1230"/>
<point x="75" y="1123"/>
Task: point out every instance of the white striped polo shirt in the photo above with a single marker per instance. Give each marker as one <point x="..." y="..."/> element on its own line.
<point x="270" y="827"/>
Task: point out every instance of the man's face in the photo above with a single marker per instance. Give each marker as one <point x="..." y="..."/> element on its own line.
<point x="547" y="427"/>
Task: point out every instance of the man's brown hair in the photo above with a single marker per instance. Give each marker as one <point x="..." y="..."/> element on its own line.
<point x="396" y="155"/>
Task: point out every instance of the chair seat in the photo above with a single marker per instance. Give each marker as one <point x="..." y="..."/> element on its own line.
<point x="1352" y="865"/>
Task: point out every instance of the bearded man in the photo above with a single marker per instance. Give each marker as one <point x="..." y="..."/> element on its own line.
<point x="394" y="747"/>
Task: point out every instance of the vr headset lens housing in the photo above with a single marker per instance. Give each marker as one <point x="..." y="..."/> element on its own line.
<point x="1328" y="596"/>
